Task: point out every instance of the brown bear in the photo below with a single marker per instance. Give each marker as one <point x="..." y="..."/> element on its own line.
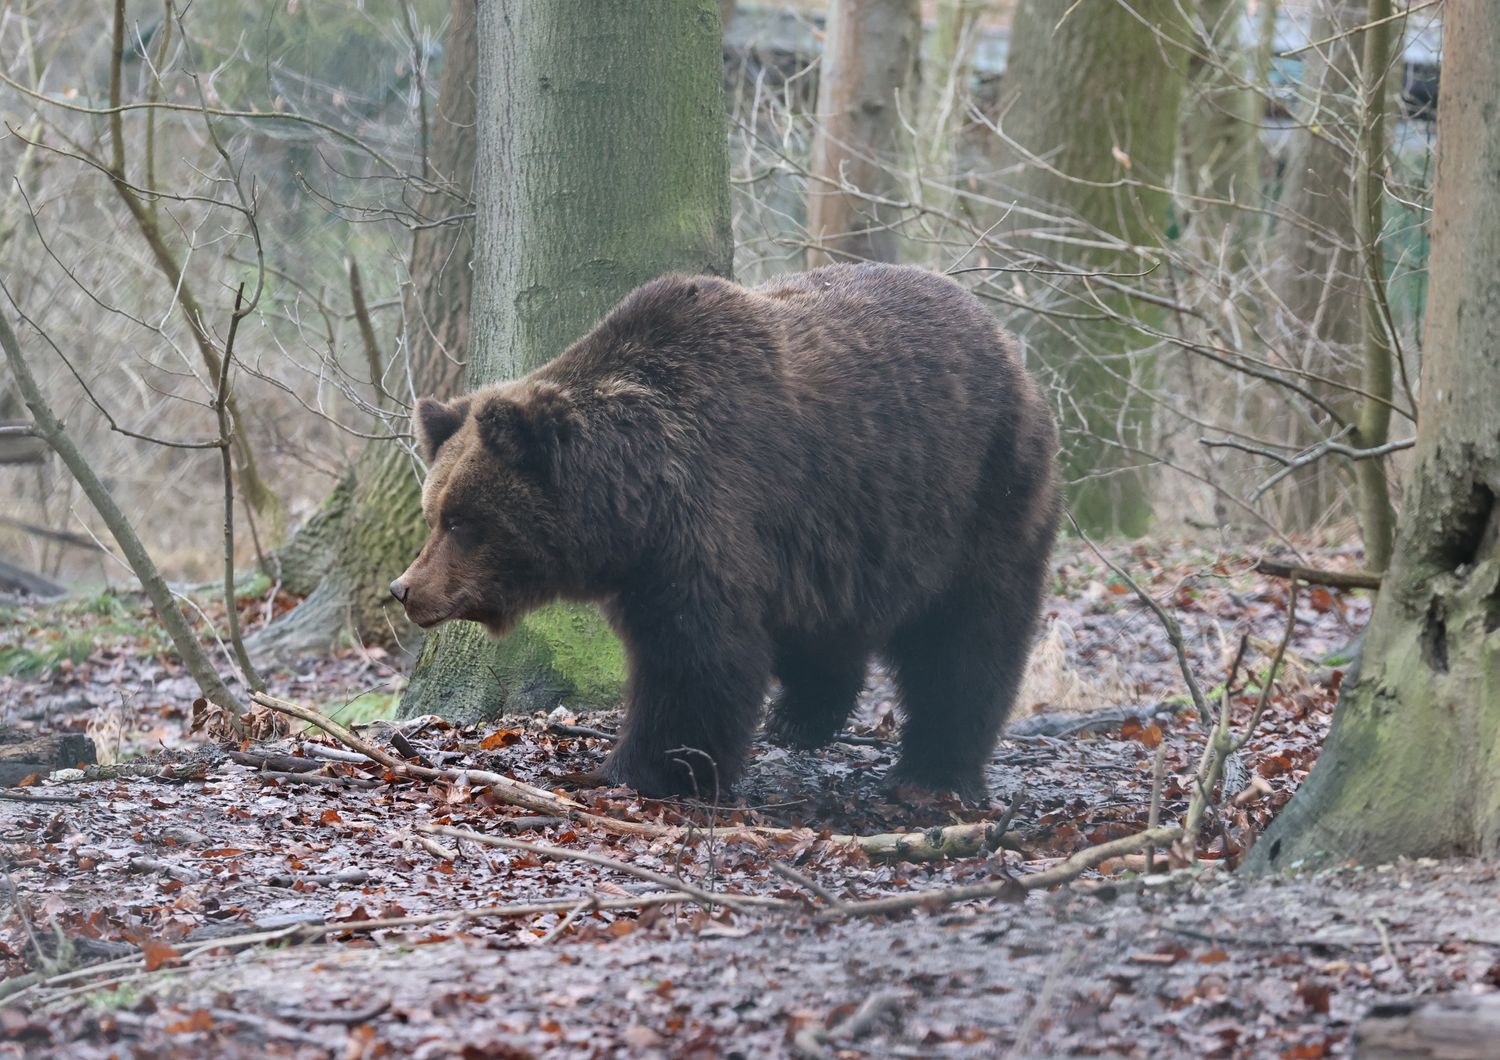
<point x="781" y="480"/>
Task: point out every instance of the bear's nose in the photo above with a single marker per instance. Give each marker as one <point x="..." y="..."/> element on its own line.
<point x="399" y="591"/>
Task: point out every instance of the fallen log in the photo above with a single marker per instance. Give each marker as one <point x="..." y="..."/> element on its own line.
<point x="23" y="582"/>
<point x="24" y="754"/>
<point x="1456" y="1027"/>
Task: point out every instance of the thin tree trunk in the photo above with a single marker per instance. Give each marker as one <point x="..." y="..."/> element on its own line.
<point x="1315" y="266"/>
<point x="603" y="162"/>
<point x="1090" y="110"/>
<point x="1377" y="519"/>
<point x="865" y="84"/>
<point x="947" y="68"/>
<point x="1221" y="146"/>
<point x="1412" y="766"/>
<point x="371" y="524"/>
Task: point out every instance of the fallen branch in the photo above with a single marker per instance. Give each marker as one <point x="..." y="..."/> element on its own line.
<point x="1335" y="579"/>
<point x="557" y="728"/>
<point x="932" y="844"/>
<point x="315" y="779"/>
<point x="507" y="789"/>
<point x="811" y="1043"/>
<point x="733" y="901"/>
<point x="958" y="840"/>
<point x="807" y="883"/>
<point x="1012" y="887"/>
<point x="21" y="795"/>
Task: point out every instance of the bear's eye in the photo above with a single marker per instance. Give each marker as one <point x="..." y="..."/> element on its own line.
<point x="452" y="524"/>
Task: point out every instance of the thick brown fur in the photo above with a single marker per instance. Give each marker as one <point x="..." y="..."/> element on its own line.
<point x="755" y="482"/>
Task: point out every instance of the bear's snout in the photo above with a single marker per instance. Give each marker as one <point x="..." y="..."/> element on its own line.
<point x="400" y="590"/>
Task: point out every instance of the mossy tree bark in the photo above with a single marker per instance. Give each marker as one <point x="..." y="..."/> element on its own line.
<point x="371" y="524"/>
<point x="1090" y="111"/>
<point x="603" y="162"/>
<point x="1412" y="765"/>
<point x="865" y="81"/>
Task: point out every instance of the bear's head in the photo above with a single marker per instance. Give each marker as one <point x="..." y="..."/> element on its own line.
<point x="495" y="547"/>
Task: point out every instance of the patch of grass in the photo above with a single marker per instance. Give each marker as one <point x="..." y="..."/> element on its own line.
<point x="363" y="708"/>
<point x="29" y="661"/>
<point x="252" y="586"/>
<point x="124" y="996"/>
<point x="39" y="640"/>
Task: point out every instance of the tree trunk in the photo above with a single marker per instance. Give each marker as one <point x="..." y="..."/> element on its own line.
<point x="1090" y="109"/>
<point x="1221" y="147"/>
<point x="603" y="162"/>
<point x="1377" y="519"/>
<point x="1315" y="283"/>
<point x="864" y="87"/>
<point x="1451" y="1027"/>
<point x="947" y="67"/>
<point x="1412" y="765"/>
<point x="371" y="523"/>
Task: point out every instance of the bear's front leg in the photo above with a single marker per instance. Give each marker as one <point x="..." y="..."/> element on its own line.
<point x="696" y="683"/>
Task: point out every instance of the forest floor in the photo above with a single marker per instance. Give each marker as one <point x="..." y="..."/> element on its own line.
<point x="138" y="907"/>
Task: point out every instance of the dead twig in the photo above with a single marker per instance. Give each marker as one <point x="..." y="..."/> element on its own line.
<point x="23" y="796"/>
<point x="287" y="879"/>
<point x="507" y="789"/>
<point x="432" y="846"/>
<point x="1269" y="681"/>
<point x="812" y="1042"/>
<point x="733" y="901"/>
<point x="559" y="729"/>
<point x="352" y="1018"/>
<point x="1168" y="623"/>
<point x="565" y="923"/>
<point x="302" y="933"/>
<point x="950" y="841"/>
<point x="316" y="779"/>
<point x="807" y="883"/>
<point x="1158" y="775"/>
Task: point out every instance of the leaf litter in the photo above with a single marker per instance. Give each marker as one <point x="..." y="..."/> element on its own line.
<point x="129" y="909"/>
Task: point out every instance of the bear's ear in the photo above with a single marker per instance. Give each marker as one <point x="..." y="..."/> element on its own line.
<point x="528" y="429"/>
<point x="437" y="422"/>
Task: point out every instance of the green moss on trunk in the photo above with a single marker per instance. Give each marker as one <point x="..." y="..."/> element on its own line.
<point x="562" y="655"/>
<point x="559" y="239"/>
<point x="1087" y="158"/>
<point x="1412" y="766"/>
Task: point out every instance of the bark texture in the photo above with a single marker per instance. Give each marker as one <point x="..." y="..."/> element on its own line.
<point x="371" y="524"/>
<point x="865" y="84"/>
<point x="1090" y="110"/>
<point x="1412" y="765"/>
<point x="1314" y="277"/>
<point x="947" y="69"/>
<point x="1221" y="147"/>
<point x="603" y="162"/>
<point x="1377" y="519"/>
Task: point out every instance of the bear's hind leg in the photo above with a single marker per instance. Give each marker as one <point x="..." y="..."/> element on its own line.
<point x="959" y="667"/>
<point x="820" y="683"/>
